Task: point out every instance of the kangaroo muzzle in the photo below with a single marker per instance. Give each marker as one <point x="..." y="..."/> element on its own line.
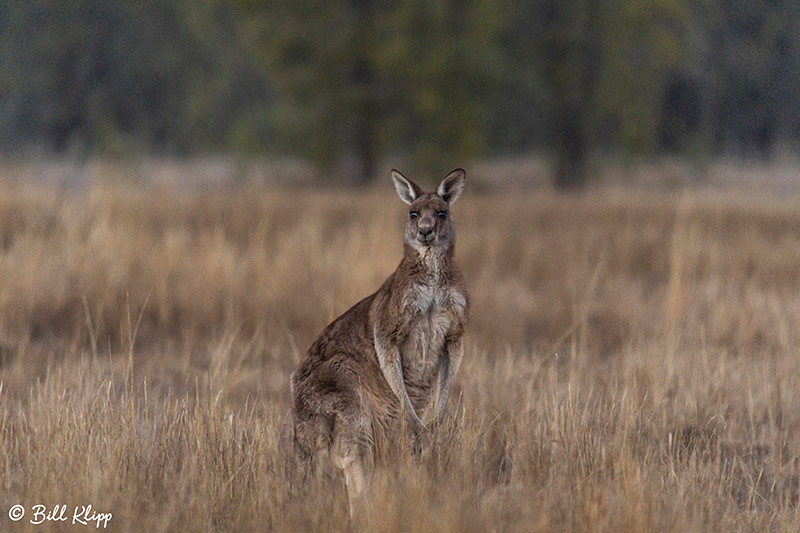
<point x="425" y="232"/>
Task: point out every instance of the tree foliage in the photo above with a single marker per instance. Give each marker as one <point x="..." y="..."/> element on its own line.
<point x="350" y="83"/>
<point x="369" y="77"/>
<point x="93" y="75"/>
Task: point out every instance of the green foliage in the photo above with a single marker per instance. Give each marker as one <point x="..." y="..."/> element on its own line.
<point x="369" y="77"/>
<point x="642" y="45"/>
<point x="591" y="73"/>
<point x="93" y="75"/>
<point x="349" y="83"/>
<point x="441" y="62"/>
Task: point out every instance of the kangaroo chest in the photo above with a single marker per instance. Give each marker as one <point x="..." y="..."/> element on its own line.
<point x="431" y="312"/>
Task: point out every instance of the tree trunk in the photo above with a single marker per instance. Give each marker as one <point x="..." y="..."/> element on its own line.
<point x="576" y="95"/>
<point x="365" y="146"/>
<point x="363" y="77"/>
<point x="570" y="167"/>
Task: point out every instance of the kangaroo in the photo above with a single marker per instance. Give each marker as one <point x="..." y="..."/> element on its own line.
<point x="389" y="361"/>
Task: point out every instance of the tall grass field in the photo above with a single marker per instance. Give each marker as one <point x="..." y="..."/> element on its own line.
<point x="632" y="362"/>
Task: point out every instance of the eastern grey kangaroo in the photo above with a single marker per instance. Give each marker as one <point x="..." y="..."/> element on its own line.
<point x="391" y="357"/>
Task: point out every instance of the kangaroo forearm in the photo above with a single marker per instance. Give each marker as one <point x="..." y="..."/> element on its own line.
<point x="448" y="366"/>
<point x="392" y="368"/>
<point x="402" y="394"/>
<point x="439" y="399"/>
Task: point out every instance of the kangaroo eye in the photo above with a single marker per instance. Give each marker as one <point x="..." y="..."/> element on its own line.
<point x="442" y="214"/>
<point x="412" y="215"/>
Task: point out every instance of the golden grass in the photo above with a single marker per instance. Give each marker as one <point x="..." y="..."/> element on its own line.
<point x="632" y="363"/>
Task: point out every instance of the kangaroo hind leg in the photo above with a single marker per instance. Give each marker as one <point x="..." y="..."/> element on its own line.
<point x="352" y="452"/>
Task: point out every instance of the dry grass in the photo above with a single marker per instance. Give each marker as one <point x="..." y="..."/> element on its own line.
<point x="632" y="363"/>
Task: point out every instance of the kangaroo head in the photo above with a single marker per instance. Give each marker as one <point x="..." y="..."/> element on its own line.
<point x="429" y="223"/>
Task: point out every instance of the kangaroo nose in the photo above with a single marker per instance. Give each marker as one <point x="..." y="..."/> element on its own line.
<point x="425" y="230"/>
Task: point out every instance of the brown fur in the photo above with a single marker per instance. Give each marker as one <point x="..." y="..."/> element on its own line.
<point x="391" y="357"/>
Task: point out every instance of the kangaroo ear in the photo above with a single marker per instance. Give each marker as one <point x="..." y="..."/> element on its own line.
<point x="451" y="186"/>
<point x="407" y="189"/>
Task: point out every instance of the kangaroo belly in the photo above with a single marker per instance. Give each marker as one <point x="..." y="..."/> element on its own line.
<point x="420" y="355"/>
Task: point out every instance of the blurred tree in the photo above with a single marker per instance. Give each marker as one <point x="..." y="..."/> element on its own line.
<point x="94" y="75"/>
<point x="643" y="46"/>
<point x="369" y="76"/>
<point x="588" y="73"/>
<point x="442" y="60"/>
<point x="436" y="82"/>
<point x="318" y="57"/>
<point x="572" y="49"/>
<point x="751" y="73"/>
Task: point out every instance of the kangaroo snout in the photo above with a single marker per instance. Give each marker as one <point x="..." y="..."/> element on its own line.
<point x="425" y="231"/>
